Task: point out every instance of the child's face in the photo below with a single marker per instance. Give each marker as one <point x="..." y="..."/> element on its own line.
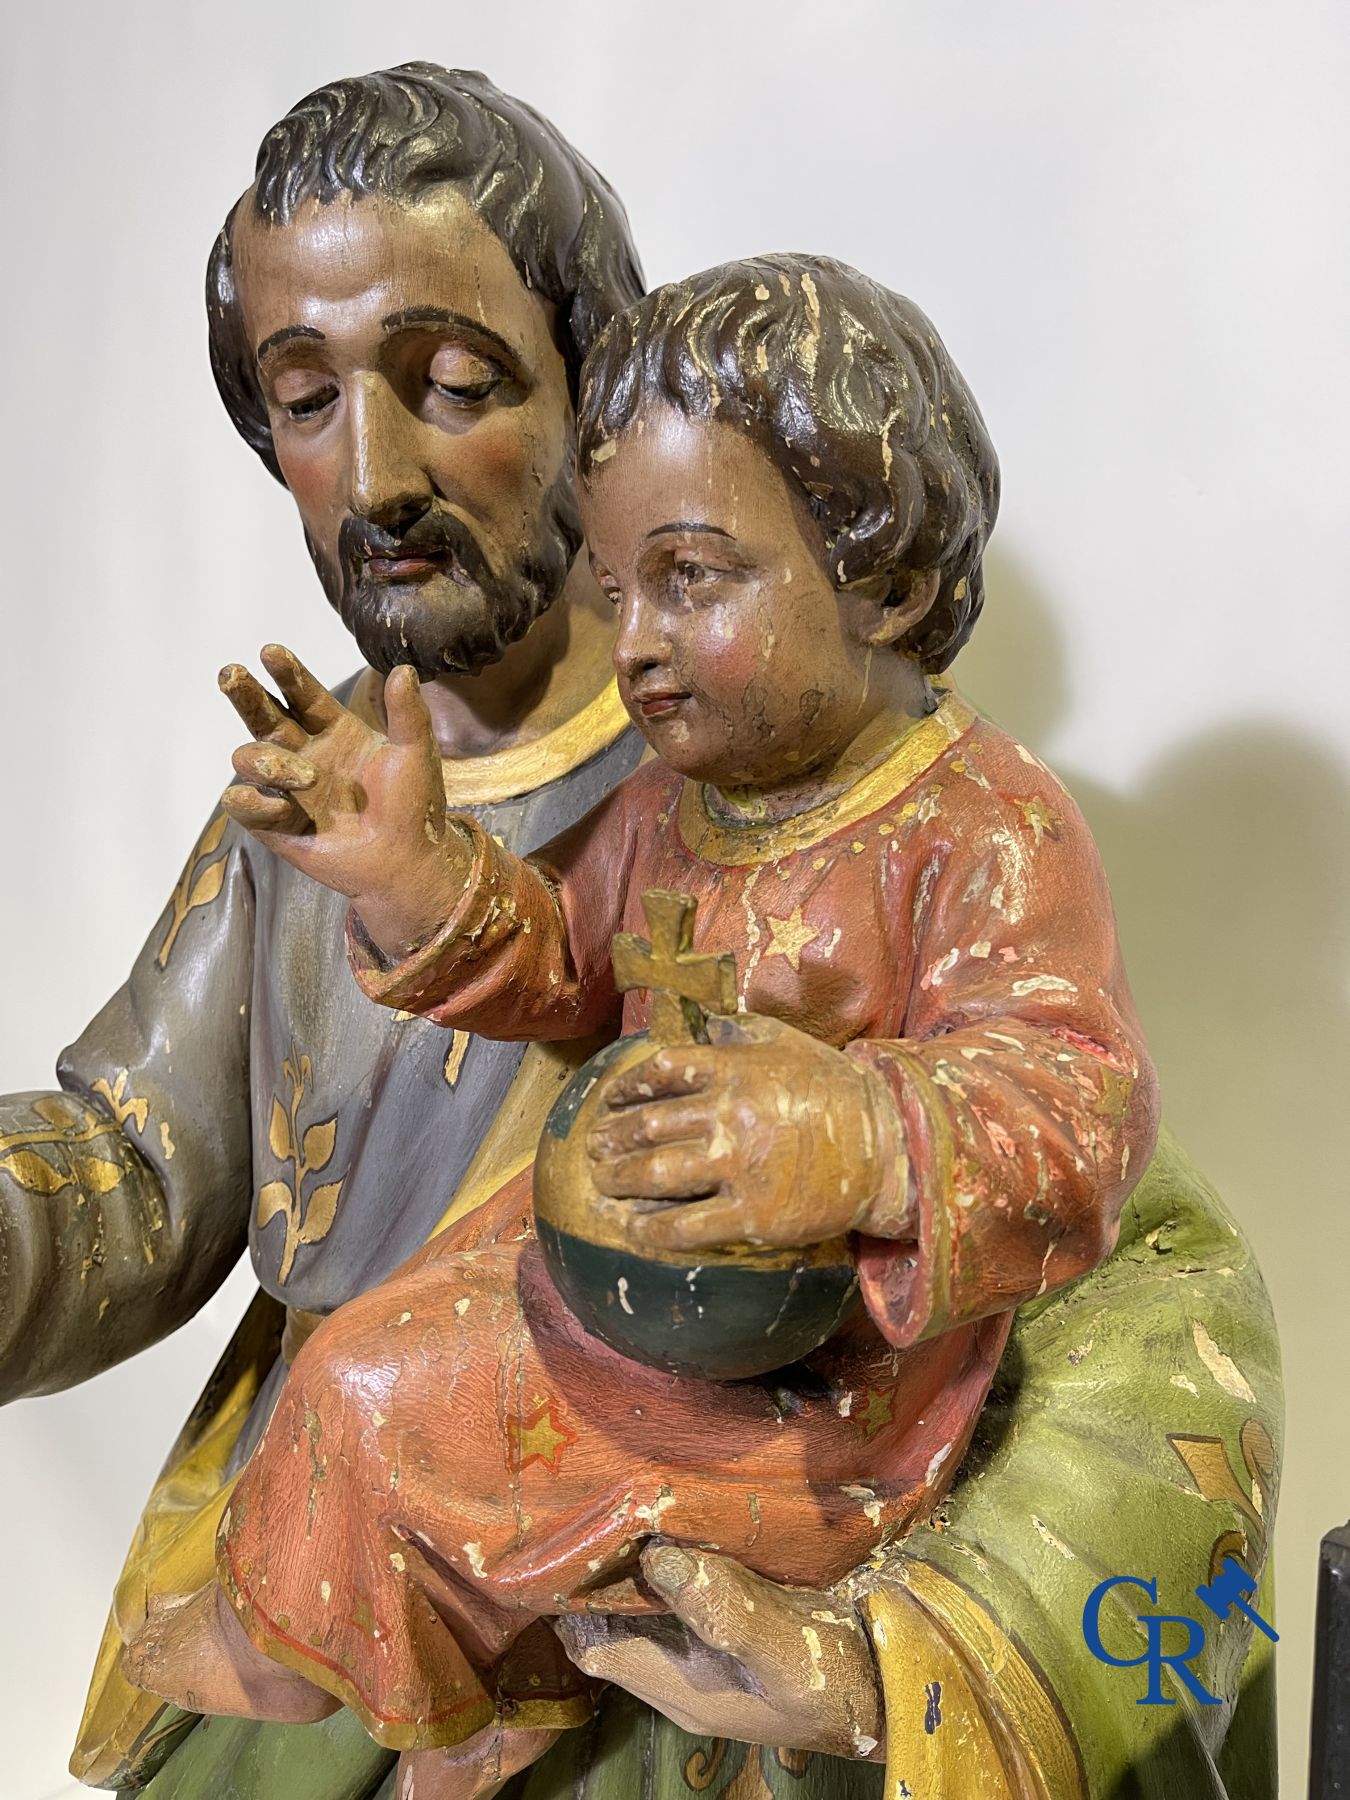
<point x="737" y="658"/>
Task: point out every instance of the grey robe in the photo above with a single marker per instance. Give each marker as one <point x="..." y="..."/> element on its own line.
<point x="240" y="1076"/>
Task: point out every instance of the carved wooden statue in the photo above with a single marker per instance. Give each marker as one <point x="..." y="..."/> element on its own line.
<point x="938" y="1077"/>
<point x="413" y="1536"/>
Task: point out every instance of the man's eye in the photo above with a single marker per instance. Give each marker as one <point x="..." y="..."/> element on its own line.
<point x="308" y="405"/>
<point x="461" y="376"/>
<point x="467" y="393"/>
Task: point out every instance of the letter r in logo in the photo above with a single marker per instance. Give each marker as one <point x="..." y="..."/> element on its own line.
<point x="1154" y="1655"/>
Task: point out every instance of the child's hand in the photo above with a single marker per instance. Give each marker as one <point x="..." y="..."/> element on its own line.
<point x="768" y="1135"/>
<point x="361" y="813"/>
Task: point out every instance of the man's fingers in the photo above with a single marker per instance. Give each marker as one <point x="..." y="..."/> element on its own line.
<point x="597" y="1642"/>
<point x="714" y="1596"/>
<point x="675" y="1172"/>
<point x="265" y="812"/>
<point x="671" y="1670"/>
<point x="669" y="1072"/>
<point x="741" y="1614"/>
<point x="309" y="699"/>
<point x="262" y="716"/>
<point x="738" y="1656"/>
<point x="699" y="1225"/>
<point x="721" y="1602"/>
<point x="406" y="715"/>
<point x="268" y="765"/>
<point x="677" y="1121"/>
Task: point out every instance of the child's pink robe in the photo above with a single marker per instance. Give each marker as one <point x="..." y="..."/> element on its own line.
<point x="452" y="1459"/>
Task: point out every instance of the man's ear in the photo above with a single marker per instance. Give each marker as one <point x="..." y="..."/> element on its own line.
<point x="904" y="607"/>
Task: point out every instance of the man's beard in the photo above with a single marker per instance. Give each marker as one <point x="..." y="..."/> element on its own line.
<point x="462" y="619"/>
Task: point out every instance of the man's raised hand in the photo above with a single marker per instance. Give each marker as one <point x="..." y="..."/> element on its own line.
<point x="360" y="812"/>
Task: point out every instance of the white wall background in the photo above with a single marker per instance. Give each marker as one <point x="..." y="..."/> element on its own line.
<point x="1129" y="222"/>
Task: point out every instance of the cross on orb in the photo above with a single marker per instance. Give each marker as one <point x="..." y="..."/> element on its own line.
<point x="684" y="986"/>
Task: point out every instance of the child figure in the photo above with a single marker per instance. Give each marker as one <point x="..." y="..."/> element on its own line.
<point x="787" y="491"/>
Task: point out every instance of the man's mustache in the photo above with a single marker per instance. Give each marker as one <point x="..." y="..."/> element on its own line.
<point x="438" y="534"/>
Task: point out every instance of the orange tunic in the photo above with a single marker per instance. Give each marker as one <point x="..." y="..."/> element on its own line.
<point x="453" y="1459"/>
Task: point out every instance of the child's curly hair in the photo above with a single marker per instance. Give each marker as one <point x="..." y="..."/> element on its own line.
<point x="850" y="392"/>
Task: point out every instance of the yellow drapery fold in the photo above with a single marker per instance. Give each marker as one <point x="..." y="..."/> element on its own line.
<point x="967" y="1710"/>
<point x="173" y="1552"/>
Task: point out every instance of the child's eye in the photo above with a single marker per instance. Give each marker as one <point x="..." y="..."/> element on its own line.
<point x="693" y="575"/>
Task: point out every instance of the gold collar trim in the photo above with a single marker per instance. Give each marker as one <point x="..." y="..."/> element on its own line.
<point x="735" y="845"/>
<point x="522" y="768"/>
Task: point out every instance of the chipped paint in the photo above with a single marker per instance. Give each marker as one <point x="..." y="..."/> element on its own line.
<point x="937" y="1461"/>
<point x="1220" y="1365"/>
<point x="816" y="1678"/>
<point x="1043" y="984"/>
<point x="1047" y="1536"/>
<point x="866" y="1497"/>
<point x="943" y="966"/>
<point x="652" y="1515"/>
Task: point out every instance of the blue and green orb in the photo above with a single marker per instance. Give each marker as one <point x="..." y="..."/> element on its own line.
<point x="725" y="1314"/>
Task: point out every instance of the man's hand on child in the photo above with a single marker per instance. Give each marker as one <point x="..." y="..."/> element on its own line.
<point x="756" y="1662"/>
<point x="767" y="1135"/>
<point x="360" y="812"/>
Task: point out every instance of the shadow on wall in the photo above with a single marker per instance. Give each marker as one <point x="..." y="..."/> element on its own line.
<point x="1229" y="863"/>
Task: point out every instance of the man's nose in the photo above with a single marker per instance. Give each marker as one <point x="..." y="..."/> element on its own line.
<point x="388" y="476"/>
<point x="643" y="642"/>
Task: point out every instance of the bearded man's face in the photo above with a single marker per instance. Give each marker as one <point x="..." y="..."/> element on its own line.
<point x="421" y="417"/>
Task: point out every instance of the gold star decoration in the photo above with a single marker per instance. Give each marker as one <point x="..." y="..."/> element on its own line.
<point x="877" y="1412"/>
<point x="790" y="938"/>
<point x="539" y="1437"/>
